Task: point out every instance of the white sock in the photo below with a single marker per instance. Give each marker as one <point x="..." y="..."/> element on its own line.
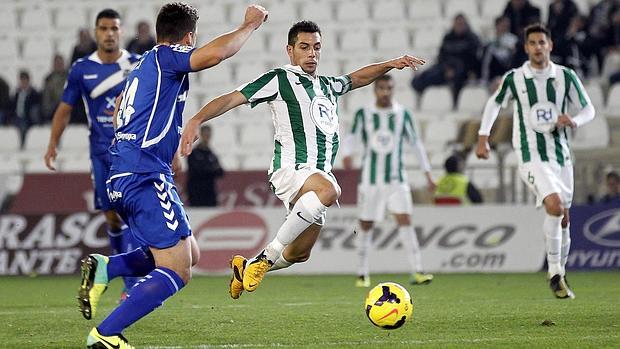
<point x="281" y="263"/>
<point x="305" y="212"/>
<point x="363" y="241"/>
<point x="553" y="240"/>
<point x="410" y="242"/>
<point x="565" y="247"/>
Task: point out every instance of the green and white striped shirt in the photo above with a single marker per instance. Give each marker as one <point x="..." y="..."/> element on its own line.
<point x="305" y="114"/>
<point x="382" y="134"/>
<point x="558" y="85"/>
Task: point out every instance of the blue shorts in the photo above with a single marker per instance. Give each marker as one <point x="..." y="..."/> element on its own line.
<point x="100" y="171"/>
<point x="150" y="205"/>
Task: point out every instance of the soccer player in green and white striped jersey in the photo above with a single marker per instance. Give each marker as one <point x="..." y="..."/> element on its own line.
<point x="383" y="129"/>
<point x="304" y="109"/>
<point x="542" y="91"/>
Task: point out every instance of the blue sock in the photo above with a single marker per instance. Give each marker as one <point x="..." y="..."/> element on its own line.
<point x="129" y="243"/>
<point x="138" y="262"/>
<point x="150" y="292"/>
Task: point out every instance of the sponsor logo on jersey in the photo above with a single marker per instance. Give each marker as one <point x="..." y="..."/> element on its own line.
<point x="323" y="114"/>
<point x="114" y="195"/>
<point x="90" y="76"/>
<point x="382" y="142"/>
<point x="104" y="119"/>
<point x="125" y="136"/>
<point x="181" y="48"/>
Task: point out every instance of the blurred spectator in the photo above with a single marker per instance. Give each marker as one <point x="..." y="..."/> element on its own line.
<point x="5" y="101"/>
<point x="203" y="169"/>
<point x="611" y="63"/>
<point x="614" y="78"/>
<point x="498" y="54"/>
<point x="612" y="194"/>
<point x="26" y="105"/>
<point x="143" y="41"/>
<point x="599" y="22"/>
<point x="85" y="46"/>
<point x="458" y="59"/>
<point x="454" y="188"/>
<point x="53" y="87"/>
<point x="576" y="39"/>
<point x="561" y="13"/>
<point x="521" y="14"/>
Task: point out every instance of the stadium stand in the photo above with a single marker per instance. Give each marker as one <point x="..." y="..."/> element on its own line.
<point x="613" y="102"/>
<point x="472" y="100"/>
<point x="392" y="12"/>
<point x="356" y="32"/>
<point x="436" y="100"/>
<point x="469" y="8"/>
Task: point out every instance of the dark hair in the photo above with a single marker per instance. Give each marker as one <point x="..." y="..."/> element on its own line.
<point x="205" y="127"/>
<point x="23" y="74"/>
<point x="536" y="28"/>
<point x="302" y="27"/>
<point x="613" y="175"/>
<point x="453" y="164"/>
<point x="174" y="21"/>
<point x="385" y="77"/>
<point x="107" y="13"/>
<point x="500" y="18"/>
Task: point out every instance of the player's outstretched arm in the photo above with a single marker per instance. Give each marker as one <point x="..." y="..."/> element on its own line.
<point x="216" y="107"/>
<point x="226" y="45"/>
<point x="370" y="73"/>
<point x="62" y="115"/>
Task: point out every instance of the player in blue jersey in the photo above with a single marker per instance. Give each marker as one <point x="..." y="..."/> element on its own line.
<point x="141" y="187"/>
<point x="98" y="79"/>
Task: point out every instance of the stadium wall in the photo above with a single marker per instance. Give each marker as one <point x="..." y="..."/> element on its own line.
<point x="463" y="239"/>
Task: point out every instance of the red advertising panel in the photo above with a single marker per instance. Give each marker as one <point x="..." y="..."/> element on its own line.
<point x="72" y="192"/>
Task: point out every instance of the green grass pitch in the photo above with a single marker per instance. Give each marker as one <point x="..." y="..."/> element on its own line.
<point x="455" y="311"/>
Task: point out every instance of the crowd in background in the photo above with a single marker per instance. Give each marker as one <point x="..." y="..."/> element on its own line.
<point x="589" y="44"/>
<point x="24" y="106"/>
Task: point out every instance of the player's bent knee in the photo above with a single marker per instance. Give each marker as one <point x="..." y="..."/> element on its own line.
<point x="366" y="225"/>
<point x="328" y="194"/>
<point x="403" y="220"/>
<point x="555" y="210"/>
<point x="195" y="250"/>
<point x="553" y="205"/>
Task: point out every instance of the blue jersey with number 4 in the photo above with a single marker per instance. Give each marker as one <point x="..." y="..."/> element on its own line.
<point x="150" y="114"/>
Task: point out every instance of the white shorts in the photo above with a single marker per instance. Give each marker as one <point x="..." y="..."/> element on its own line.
<point x="374" y="199"/>
<point x="545" y="178"/>
<point x="287" y="181"/>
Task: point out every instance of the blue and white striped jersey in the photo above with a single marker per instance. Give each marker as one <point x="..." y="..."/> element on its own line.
<point x="150" y="114"/>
